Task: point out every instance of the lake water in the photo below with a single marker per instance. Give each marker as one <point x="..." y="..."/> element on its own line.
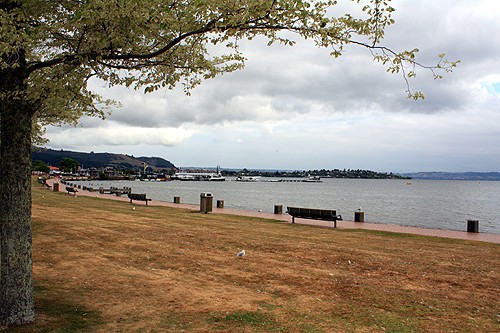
<point x="425" y="203"/>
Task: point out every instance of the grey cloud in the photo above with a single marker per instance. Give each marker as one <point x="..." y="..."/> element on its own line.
<point x="281" y="82"/>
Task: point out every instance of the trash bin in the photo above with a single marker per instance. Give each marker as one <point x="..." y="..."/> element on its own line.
<point x="278" y="209"/>
<point x="206" y="202"/>
<point x="177" y="200"/>
<point x="359" y="217"/>
<point x="220" y="203"/>
<point x="472" y="226"/>
<point x="55" y="187"/>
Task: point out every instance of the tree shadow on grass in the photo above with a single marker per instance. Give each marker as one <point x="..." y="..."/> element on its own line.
<point x="56" y="314"/>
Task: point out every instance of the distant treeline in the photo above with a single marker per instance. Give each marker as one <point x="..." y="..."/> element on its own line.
<point x="336" y="173"/>
<point x="479" y="176"/>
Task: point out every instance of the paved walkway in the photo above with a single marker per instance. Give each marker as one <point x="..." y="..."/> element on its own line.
<point x="482" y="237"/>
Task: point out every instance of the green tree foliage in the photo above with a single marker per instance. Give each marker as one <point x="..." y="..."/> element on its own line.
<point x="40" y="166"/>
<point x="49" y="50"/>
<point x="103" y="175"/>
<point x="68" y="164"/>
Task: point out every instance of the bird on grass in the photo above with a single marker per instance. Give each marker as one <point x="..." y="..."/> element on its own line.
<point x="241" y="254"/>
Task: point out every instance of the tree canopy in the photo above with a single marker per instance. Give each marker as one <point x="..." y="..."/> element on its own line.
<point x="50" y="49"/>
<point x="156" y="44"/>
<point x="40" y="166"/>
<point x="68" y="164"/>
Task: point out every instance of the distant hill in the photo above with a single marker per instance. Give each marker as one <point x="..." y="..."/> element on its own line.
<point x="478" y="176"/>
<point x="100" y="160"/>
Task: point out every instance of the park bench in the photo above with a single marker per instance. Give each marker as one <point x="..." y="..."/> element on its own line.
<point x="315" y="214"/>
<point x="119" y="191"/>
<point x="115" y="190"/>
<point x="71" y="189"/>
<point x="102" y="190"/>
<point x="139" y="197"/>
<point x="43" y="181"/>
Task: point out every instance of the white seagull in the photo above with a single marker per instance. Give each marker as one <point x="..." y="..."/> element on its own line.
<point x="241" y="254"/>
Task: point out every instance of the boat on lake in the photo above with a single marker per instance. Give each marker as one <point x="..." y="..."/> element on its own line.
<point x="247" y="179"/>
<point x="199" y="175"/>
<point x="313" y="179"/>
<point x="216" y="178"/>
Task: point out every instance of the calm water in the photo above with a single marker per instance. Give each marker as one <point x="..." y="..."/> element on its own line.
<point x="425" y="203"/>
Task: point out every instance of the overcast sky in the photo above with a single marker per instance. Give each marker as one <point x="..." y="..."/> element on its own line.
<point x="298" y="108"/>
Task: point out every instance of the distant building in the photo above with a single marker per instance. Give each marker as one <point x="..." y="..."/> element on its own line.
<point x="54" y="171"/>
<point x="96" y="173"/>
<point x="110" y="172"/>
<point x="83" y="172"/>
<point x="93" y="172"/>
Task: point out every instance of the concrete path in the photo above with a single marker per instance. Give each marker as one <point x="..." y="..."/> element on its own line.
<point x="482" y="237"/>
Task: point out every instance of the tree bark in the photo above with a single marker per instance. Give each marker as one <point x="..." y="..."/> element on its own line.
<point x="16" y="286"/>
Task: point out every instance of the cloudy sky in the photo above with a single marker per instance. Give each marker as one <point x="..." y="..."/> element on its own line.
<point x="298" y="108"/>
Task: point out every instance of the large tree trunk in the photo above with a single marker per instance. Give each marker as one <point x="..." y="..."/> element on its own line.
<point x="16" y="289"/>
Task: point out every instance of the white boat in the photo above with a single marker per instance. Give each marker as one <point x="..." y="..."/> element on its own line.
<point x="216" y="178"/>
<point x="247" y="179"/>
<point x="194" y="175"/>
<point x="313" y="179"/>
<point x="184" y="176"/>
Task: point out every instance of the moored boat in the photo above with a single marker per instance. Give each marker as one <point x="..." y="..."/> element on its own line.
<point x="313" y="179"/>
<point x="247" y="179"/>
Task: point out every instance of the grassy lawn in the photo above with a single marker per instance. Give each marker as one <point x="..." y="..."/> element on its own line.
<point x="101" y="266"/>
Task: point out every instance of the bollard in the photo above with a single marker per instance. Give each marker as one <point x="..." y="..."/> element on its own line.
<point x="220" y="203"/>
<point x="206" y="202"/>
<point x="473" y="226"/>
<point x="177" y="200"/>
<point x="278" y="209"/>
<point x="359" y="217"/>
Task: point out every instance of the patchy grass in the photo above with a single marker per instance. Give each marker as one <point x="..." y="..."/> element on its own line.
<point x="100" y="266"/>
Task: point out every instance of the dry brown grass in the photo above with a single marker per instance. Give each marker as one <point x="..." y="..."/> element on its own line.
<point x="102" y="267"/>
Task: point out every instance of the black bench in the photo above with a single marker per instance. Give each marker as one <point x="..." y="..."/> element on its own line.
<point x="139" y="197"/>
<point x="43" y="181"/>
<point x="115" y="190"/>
<point x="315" y="214"/>
<point x="119" y="191"/>
<point x="71" y="189"/>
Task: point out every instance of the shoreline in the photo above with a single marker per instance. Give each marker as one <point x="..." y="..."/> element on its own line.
<point x="285" y="218"/>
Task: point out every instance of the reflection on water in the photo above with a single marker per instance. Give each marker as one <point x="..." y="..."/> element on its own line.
<point x="425" y="203"/>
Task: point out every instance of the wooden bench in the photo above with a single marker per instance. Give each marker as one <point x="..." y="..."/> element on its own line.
<point x="119" y="191"/>
<point x="71" y="189"/>
<point x="315" y="214"/>
<point x="43" y="181"/>
<point x="139" y="197"/>
<point x="115" y="190"/>
<point x="102" y="190"/>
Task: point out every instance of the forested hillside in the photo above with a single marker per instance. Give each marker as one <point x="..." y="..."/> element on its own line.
<point x="100" y="160"/>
